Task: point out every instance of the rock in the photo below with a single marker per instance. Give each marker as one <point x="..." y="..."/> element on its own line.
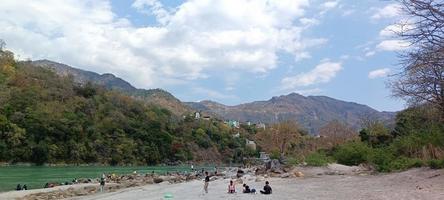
<point x="274" y="166"/>
<point x="286" y="175"/>
<point x="298" y="174"/>
<point x="260" y="179"/>
<point x="157" y="180"/>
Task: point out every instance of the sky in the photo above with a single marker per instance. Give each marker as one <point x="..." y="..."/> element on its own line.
<point x="229" y="51"/>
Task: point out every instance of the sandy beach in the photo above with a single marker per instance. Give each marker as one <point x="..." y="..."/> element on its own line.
<point x="318" y="183"/>
<point x="412" y="184"/>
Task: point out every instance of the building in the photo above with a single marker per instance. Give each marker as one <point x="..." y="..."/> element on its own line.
<point x="264" y="156"/>
<point x="197" y="115"/>
<point x="260" y="126"/>
<point x="250" y="143"/>
<point x="233" y="124"/>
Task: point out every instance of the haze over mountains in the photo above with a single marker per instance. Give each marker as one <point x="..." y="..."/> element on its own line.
<point x="312" y="112"/>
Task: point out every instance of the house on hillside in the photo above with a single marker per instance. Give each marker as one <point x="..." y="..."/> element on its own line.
<point x="251" y="144"/>
<point x="264" y="156"/>
<point x="260" y="126"/>
<point x="233" y="124"/>
<point x="197" y="115"/>
<point x="206" y="117"/>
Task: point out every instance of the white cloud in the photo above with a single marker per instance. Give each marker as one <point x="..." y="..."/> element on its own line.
<point x="154" y="7"/>
<point x="308" y="91"/>
<point x="348" y="12"/>
<point x="329" y="5"/>
<point x="309" y="21"/>
<point x="188" y="42"/>
<point x="392" y="45"/>
<point x="322" y="73"/>
<point x="389" y="31"/>
<point x="392" y="30"/>
<point x="379" y="73"/>
<point x="370" y="53"/>
<point x="389" y="11"/>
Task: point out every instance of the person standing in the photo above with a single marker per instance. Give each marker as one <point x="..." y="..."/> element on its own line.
<point x="207" y="182"/>
<point x="102" y="183"/>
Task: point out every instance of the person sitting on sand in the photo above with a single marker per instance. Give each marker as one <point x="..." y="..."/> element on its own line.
<point x="19" y="187"/>
<point x="25" y="187"/>
<point x="246" y="188"/>
<point x="267" y="188"/>
<point x="231" y="188"/>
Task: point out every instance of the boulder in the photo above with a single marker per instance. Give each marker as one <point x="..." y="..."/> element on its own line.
<point x="285" y="175"/>
<point x="157" y="180"/>
<point x="298" y="174"/>
<point x="274" y="166"/>
<point x="260" y="179"/>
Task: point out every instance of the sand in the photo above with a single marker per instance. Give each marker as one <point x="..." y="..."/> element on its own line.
<point x="421" y="183"/>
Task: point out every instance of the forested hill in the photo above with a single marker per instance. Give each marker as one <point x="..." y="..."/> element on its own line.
<point x="311" y="112"/>
<point x="47" y="118"/>
<point x="153" y="96"/>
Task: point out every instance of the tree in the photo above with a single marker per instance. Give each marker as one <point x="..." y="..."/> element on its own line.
<point x="335" y="133"/>
<point x="421" y="79"/>
<point x="375" y="133"/>
<point x="279" y="136"/>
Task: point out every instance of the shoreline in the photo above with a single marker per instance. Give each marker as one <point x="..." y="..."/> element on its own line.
<point x="331" y="182"/>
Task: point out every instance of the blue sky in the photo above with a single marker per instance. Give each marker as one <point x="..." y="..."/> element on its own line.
<point x="231" y="51"/>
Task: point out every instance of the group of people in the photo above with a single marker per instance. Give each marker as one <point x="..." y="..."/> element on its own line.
<point x="267" y="188"/>
<point x="232" y="187"/>
<point x="20" y="187"/>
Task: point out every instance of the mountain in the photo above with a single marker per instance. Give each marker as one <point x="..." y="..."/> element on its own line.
<point x="312" y="111"/>
<point x="153" y="96"/>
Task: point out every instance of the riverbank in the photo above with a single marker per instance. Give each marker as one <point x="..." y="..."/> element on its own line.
<point x="332" y="182"/>
<point x="35" y="177"/>
<point x="413" y="184"/>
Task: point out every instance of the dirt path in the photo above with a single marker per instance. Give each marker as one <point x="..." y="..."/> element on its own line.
<point x="413" y="184"/>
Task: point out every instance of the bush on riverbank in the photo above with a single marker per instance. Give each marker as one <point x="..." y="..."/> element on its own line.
<point x="417" y="140"/>
<point x="318" y="159"/>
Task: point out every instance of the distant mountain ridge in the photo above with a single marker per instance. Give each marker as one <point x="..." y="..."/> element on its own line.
<point x="155" y="96"/>
<point x="312" y="112"/>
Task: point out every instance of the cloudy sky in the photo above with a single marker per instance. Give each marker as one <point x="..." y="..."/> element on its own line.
<point x="231" y="51"/>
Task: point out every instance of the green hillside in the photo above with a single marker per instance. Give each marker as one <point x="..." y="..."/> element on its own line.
<point x="46" y="118"/>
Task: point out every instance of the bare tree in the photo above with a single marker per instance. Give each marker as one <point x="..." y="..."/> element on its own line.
<point x="279" y="136"/>
<point x="421" y="79"/>
<point x="335" y="133"/>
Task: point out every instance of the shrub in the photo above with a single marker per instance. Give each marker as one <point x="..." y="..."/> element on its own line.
<point x="352" y="153"/>
<point x="275" y="154"/>
<point x="293" y="161"/>
<point x="436" y="164"/>
<point x="403" y="163"/>
<point x="317" y="159"/>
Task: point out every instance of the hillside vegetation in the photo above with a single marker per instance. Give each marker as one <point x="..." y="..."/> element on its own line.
<point x="47" y="118"/>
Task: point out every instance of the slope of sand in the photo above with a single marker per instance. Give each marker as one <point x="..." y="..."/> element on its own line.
<point x="413" y="184"/>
